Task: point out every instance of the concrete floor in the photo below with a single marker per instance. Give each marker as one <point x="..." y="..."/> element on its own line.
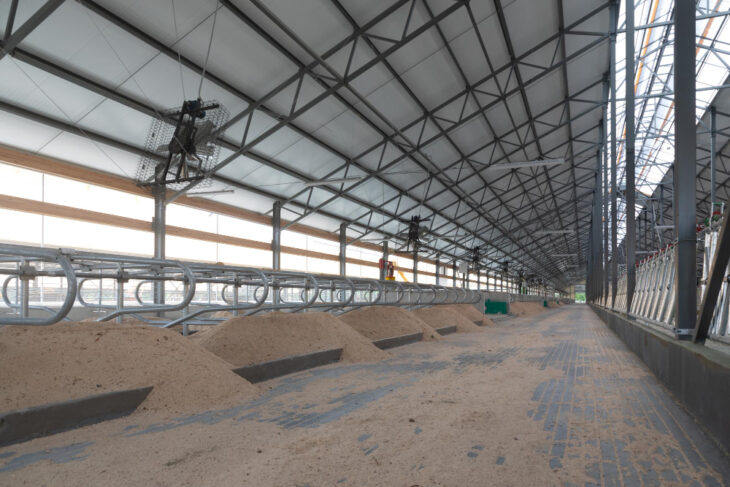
<point x="555" y="399"/>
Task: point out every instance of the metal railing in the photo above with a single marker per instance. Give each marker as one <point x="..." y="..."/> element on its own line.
<point x="654" y="294"/>
<point x="167" y="293"/>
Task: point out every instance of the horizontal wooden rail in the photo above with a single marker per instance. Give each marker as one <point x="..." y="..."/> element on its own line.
<point x="79" y="214"/>
<point x="64" y="169"/>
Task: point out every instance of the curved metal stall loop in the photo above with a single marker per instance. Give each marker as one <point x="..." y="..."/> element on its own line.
<point x="378" y="285"/>
<point x="10" y="304"/>
<point x="137" y="268"/>
<point x="443" y="292"/>
<point x="293" y="291"/>
<point x="86" y="304"/>
<point x="431" y="292"/>
<point x="414" y="295"/>
<point x="22" y="255"/>
<point x="338" y="288"/>
<point x="394" y="293"/>
<point x="137" y="289"/>
<point x="251" y="277"/>
<point x="290" y="280"/>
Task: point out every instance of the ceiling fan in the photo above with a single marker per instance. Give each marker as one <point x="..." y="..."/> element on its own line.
<point x="181" y="145"/>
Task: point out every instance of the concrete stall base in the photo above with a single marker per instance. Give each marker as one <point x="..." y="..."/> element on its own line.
<point x="35" y="422"/>
<point x="698" y="376"/>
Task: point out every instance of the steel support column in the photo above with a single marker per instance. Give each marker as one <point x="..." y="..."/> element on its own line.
<point x="158" y="227"/>
<point x="713" y="163"/>
<point x="415" y="266"/>
<point x="276" y="236"/>
<point x="614" y="156"/>
<point x="604" y="142"/>
<point x="384" y="268"/>
<point x="343" y="249"/>
<point x="685" y="169"/>
<point x="438" y="269"/>
<point x="276" y="247"/>
<point x="629" y="171"/>
<point x="454" y="273"/>
<point x="596" y="277"/>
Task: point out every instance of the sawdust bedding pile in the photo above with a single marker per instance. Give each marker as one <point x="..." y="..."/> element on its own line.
<point x="377" y="322"/>
<point x="253" y="339"/>
<point x="526" y="308"/>
<point x="46" y="364"/>
<point x="470" y="312"/>
<point x="439" y="317"/>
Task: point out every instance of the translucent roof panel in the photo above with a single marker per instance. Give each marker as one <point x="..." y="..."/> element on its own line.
<point x="654" y="84"/>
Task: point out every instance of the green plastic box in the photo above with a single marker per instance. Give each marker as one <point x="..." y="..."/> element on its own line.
<point x="495" y="307"/>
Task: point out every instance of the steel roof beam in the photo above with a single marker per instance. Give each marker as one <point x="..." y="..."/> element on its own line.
<point x="523" y="94"/>
<point x="337" y="78"/>
<point x="11" y="40"/>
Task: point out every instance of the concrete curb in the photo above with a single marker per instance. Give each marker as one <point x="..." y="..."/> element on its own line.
<point x="446" y="330"/>
<point x="26" y="424"/>
<point x="287" y="365"/>
<point x="392" y="342"/>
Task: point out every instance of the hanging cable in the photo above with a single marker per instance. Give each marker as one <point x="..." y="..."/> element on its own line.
<point x="177" y="51"/>
<point x="210" y="43"/>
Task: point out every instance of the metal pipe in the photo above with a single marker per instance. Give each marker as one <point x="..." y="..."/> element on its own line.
<point x="415" y="265"/>
<point x="276" y="236"/>
<point x="46" y="256"/>
<point x="438" y="269"/>
<point x="158" y="225"/>
<point x="343" y="249"/>
<point x="120" y="298"/>
<point x="350" y="293"/>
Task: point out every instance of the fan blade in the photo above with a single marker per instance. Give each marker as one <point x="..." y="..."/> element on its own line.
<point x="204" y="131"/>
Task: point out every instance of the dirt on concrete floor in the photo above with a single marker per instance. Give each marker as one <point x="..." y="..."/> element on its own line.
<point x="526" y="308"/>
<point x="553" y="400"/>
<point x="439" y="317"/>
<point x="45" y="364"/>
<point x="377" y="322"/>
<point x="470" y="312"/>
<point x="253" y="339"/>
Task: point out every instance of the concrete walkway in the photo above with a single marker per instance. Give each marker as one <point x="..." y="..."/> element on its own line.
<point x="555" y="399"/>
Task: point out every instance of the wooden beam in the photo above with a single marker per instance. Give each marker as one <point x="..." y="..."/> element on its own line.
<point x="64" y="169"/>
<point x="71" y="213"/>
<point x="79" y="214"/>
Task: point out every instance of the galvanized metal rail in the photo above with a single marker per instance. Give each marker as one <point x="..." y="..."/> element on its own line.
<point x="654" y="295"/>
<point x="195" y="291"/>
